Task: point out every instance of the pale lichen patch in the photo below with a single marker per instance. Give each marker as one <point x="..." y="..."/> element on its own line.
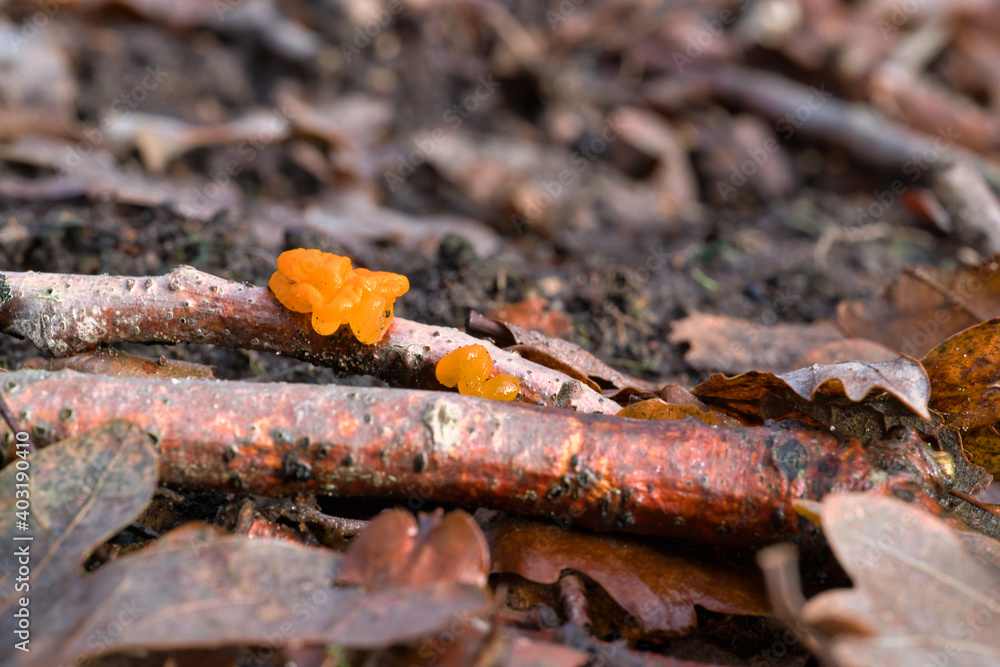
<point x="442" y="417"/>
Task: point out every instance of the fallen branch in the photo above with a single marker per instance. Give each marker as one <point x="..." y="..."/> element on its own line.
<point x="64" y="314"/>
<point x="675" y="478"/>
<point x="865" y="134"/>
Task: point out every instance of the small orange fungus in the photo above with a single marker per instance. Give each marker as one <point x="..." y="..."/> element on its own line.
<point x="469" y="369"/>
<point x="324" y="284"/>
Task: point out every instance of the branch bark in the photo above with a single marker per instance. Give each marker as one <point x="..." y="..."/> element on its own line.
<point x="64" y="314"/>
<point x="675" y="478"/>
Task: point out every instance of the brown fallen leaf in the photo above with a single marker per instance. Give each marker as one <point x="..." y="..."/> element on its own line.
<point x="534" y="314"/>
<point x="923" y="306"/>
<point x="398" y="550"/>
<point x="38" y="89"/>
<point x="982" y="445"/>
<point x="657" y="408"/>
<point x="544" y="358"/>
<point x="402" y="553"/>
<point x="505" y="174"/>
<point x="555" y="353"/>
<point x="657" y="585"/>
<point x="672" y="187"/>
<point x="162" y="139"/>
<point x="918" y="598"/>
<point x="526" y="652"/>
<point x="735" y="345"/>
<point x="848" y="349"/>
<point x="673" y="394"/>
<point x="744" y="395"/>
<point x="355" y="218"/>
<point x="193" y="588"/>
<point x="358" y="119"/>
<point x="84" y="490"/>
<point x="97" y="176"/>
<point x="965" y="376"/>
<point x="259" y="21"/>
<point x="197" y="588"/>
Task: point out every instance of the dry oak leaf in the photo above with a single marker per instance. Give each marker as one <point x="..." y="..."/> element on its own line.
<point x="923" y="306"/>
<point x="919" y="598"/>
<point x="658" y="586"/>
<point x="848" y="349"/>
<point x="735" y="345"/>
<point x="192" y="588"/>
<point x="902" y="377"/>
<point x="398" y="550"/>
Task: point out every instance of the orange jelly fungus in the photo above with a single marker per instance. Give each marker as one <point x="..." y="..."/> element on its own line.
<point x="469" y="368"/>
<point x="324" y="284"/>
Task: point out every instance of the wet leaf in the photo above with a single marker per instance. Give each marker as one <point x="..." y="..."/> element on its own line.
<point x="657" y="408"/>
<point x="965" y="376"/>
<point x="918" y="598"/>
<point x="923" y="306"/>
<point x="395" y="550"/>
<point x="735" y="345"/>
<point x="744" y="394"/>
<point x="503" y="173"/>
<point x="674" y="394"/>
<point x="982" y="445"/>
<point x="356" y="219"/>
<point x="657" y="585"/>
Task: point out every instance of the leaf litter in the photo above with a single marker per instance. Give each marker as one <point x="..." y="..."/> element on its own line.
<point x="664" y="181"/>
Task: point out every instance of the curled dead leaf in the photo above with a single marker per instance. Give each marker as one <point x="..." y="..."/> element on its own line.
<point x="657" y="585"/>
<point x="917" y="595"/>
<point x="902" y="377"/>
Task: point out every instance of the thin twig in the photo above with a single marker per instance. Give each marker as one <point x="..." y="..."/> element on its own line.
<point x="66" y="314"/>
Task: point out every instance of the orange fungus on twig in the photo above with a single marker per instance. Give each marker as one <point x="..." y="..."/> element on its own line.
<point x="324" y="284"/>
<point x="469" y="369"/>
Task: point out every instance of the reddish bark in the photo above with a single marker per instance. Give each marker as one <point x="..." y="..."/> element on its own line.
<point x="678" y="478"/>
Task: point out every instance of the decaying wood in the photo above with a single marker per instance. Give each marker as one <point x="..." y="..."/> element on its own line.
<point x="69" y="314"/>
<point x="676" y="478"/>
